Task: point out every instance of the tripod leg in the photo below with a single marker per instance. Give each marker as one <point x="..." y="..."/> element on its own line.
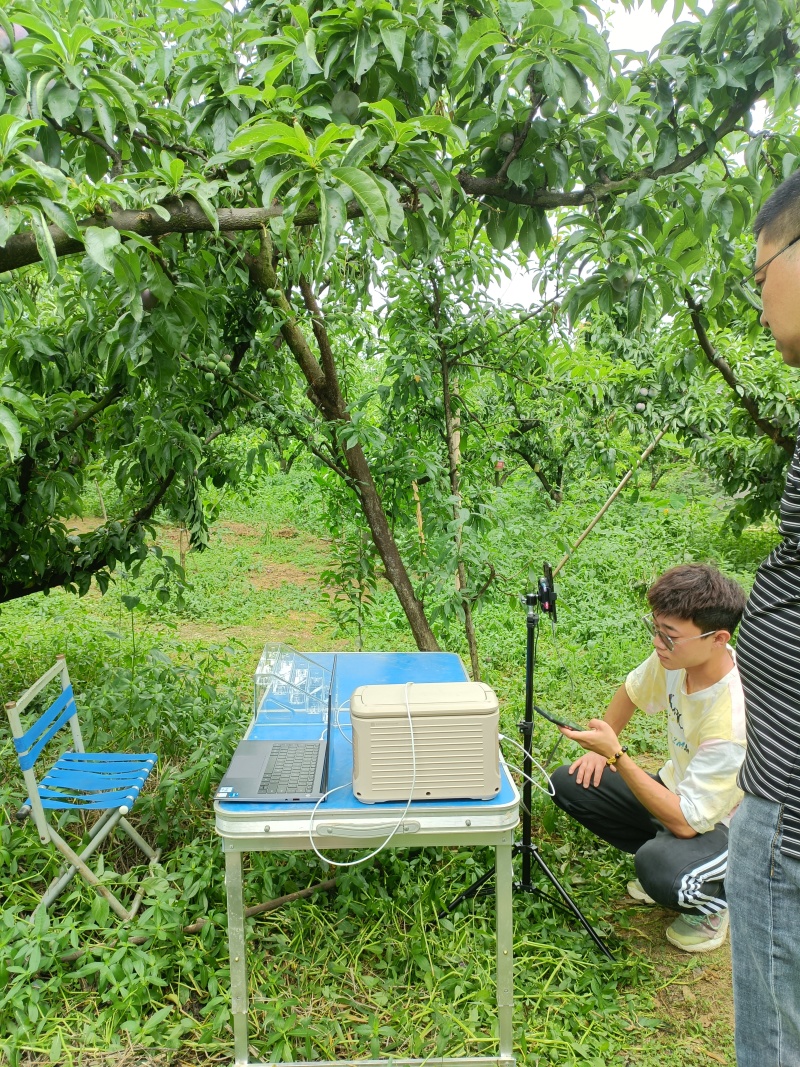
<point x="470" y="892"/>
<point x="570" y="903"/>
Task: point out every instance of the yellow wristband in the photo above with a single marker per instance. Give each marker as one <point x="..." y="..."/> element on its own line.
<point x="611" y="760"/>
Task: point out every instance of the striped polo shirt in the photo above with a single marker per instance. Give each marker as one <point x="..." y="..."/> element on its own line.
<point x="768" y="656"/>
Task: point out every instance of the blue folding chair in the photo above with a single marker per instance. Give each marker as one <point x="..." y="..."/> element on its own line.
<point x="105" y="783"/>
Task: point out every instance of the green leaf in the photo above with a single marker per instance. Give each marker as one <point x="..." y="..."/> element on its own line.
<point x="10" y="431"/>
<point x="368" y="194"/>
<point x="105" y="117"/>
<point x="481" y="35"/>
<point x="101" y="241"/>
<point x="62" y="101"/>
<point x="97" y="162"/>
<point x="62" y="218"/>
<point x="306" y="53"/>
<point x="207" y="208"/>
<point x="635" y="304"/>
<point x="332" y="218"/>
<point x="667" y="148"/>
<point x="619" y="144"/>
<point x="18" y="399"/>
<point x="394" y="37"/>
<point x="263" y="132"/>
<point x="365" y="53"/>
<point x="512" y="12"/>
<point x="712" y="23"/>
<point x="496" y="231"/>
<point x="16" y="74"/>
<point x="44" y="241"/>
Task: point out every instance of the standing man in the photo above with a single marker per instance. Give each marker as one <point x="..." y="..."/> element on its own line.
<point x="763" y="881"/>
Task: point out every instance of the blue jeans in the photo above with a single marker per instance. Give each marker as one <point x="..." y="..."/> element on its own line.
<point x="763" y="889"/>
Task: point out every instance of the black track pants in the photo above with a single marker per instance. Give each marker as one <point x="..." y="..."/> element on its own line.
<point x="682" y="873"/>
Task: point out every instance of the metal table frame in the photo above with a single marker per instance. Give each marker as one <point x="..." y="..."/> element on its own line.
<point x="418" y="830"/>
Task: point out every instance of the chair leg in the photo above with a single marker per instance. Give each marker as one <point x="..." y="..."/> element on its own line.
<point x="98" y="833"/>
<point x="137" y="900"/>
<point x="138" y="839"/>
<point x="78" y="863"/>
<point x="95" y="828"/>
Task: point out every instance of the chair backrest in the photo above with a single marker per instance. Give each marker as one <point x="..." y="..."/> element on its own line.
<point x="29" y="744"/>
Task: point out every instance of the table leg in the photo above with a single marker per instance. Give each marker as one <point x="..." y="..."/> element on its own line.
<point x="238" y="959"/>
<point x="505" y="951"/>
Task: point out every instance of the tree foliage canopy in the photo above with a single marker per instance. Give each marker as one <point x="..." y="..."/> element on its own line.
<point x="191" y="192"/>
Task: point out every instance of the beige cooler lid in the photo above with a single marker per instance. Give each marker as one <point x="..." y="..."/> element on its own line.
<point x="424" y="698"/>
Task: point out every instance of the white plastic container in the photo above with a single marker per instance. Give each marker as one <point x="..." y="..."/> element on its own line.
<point x="455" y="742"/>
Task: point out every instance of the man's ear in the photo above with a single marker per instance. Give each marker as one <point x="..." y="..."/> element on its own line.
<point x="722" y="638"/>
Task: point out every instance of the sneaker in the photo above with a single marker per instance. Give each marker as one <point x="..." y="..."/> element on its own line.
<point x="698" y="933"/>
<point x="638" y="892"/>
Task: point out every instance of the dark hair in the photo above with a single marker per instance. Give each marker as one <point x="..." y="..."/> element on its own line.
<point x="779" y="218"/>
<point x="699" y="593"/>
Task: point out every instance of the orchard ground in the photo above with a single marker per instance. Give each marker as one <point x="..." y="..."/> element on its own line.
<point x="371" y="972"/>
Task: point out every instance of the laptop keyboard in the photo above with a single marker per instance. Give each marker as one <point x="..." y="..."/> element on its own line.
<point x="290" y="768"/>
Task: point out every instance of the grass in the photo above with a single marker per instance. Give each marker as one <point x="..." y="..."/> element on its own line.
<point x="368" y="970"/>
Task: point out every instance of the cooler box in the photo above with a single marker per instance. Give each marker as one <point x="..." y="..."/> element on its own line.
<point x="455" y="741"/>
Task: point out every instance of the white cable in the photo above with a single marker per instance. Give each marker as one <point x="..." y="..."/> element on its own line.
<point x="547" y="792"/>
<point x="349" y="740"/>
<point x="398" y="824"/>
<point x="551" y="790"/>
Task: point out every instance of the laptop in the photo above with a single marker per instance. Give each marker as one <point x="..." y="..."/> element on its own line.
<point x="279" y="772"/>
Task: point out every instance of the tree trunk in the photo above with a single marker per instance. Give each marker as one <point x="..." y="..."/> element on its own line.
<point x="387" y="549"/>
<point x="453" y="433"/>
<point x="418" y="503"/>
<point x="325" y="393"/>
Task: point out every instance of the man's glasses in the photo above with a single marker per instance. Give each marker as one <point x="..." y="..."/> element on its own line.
<point x="670" y="642"/>
<point x="767" y="262"/>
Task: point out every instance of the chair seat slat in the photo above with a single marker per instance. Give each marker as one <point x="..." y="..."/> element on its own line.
<point x="110" y="796"/>
<point x="88" y="782"/>
<point x="99" y="763"/>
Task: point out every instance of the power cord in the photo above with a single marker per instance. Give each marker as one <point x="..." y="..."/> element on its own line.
<point x="338" y="724"/>
<point x="400" y="821"/>
<point x="550" y="790"/>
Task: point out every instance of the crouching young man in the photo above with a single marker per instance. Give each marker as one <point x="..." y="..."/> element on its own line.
<point x="674" y="823"/>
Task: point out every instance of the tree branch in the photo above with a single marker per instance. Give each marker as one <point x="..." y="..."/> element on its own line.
<point x="184" y="216"/>
<point x="320" y="332"/>
<point x="75" y="131"/>
<point x="519" y="140"/>
<point x="497" y="187"/>
<point x="265" y="280"/>
<point x="742" y="398"/>
<point x="106" y="401"/>
<point x="146" y="512"/>
<point x="68" y="574"/>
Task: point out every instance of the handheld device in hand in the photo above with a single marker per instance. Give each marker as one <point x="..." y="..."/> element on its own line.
<point x="555" y="719"/>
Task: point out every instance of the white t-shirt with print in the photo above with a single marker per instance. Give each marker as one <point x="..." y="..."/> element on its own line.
<point x="706" y="738"/>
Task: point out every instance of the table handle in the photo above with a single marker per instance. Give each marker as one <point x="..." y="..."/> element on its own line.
<point x="340" y="829"/>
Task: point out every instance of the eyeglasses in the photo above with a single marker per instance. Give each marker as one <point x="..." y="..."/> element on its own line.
<point x="670" y="642"/>
<point x="767" y="262"/>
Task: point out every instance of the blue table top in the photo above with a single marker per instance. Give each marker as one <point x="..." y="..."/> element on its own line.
<point x="352" y="670"/>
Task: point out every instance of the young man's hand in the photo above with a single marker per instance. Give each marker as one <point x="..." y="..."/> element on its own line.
<point x="600" y="739"/>
<point x="588" y="769"/>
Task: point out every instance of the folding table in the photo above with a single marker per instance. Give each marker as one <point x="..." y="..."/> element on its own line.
<point x="343" y="822"/>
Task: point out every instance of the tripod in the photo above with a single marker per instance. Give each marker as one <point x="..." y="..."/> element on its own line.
<point x="545" y="598"/>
